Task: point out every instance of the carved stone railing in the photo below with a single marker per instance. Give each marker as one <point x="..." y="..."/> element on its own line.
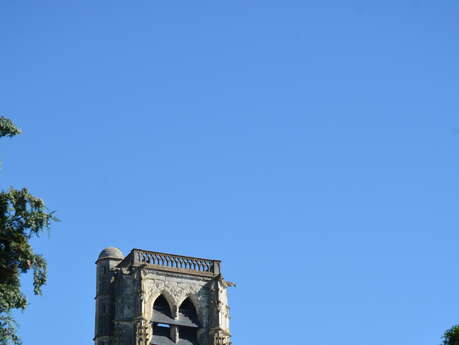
<point x="174" y="262"/>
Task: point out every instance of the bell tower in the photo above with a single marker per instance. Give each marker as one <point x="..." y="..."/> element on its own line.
<point x="152" y="298"/>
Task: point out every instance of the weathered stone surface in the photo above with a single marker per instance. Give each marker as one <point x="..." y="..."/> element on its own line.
<point x="129" y="287"/>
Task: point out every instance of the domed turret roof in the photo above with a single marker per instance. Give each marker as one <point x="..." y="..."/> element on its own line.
<point x="111" y="253"/>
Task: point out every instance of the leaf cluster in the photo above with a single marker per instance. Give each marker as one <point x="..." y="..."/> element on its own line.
<point x="451" y="336"/>
<point x="22" y="216"/>
<point x="7" y="128"/>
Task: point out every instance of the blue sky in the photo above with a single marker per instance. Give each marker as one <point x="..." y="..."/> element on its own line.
<point x="313" y="146"/>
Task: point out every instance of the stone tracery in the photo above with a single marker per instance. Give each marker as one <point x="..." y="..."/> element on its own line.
<point x="191" y="300"/>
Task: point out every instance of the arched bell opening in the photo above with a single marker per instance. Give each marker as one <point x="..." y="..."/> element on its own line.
<point x="161" y="310"/>
<point x="187" y="313"/>
<point x="188" y="323"/>
<point x="162" y="320"/>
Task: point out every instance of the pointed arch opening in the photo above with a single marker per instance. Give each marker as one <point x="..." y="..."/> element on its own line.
<point x="188" y="320"/>
<point x="187" y="311"/>
<point x="162" y="307"/>
<point x="162" y="318"/>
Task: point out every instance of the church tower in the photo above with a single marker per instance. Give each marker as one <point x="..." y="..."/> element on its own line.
<point x="152" y="298"/>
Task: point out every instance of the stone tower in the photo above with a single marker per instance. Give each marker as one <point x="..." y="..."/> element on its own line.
<point x="151" y="298"/>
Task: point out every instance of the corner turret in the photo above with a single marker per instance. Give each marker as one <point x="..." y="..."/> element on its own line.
<point x="108" y="259"/>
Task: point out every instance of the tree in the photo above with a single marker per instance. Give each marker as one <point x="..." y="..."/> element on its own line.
<point x="451" y="336"/>
<point x="22" y="216"/>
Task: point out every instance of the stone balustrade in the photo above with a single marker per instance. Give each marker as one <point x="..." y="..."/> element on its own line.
<point x="174" y="262"/>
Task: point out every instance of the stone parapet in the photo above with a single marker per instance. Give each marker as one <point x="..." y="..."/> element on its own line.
<point x="172" y="262"/>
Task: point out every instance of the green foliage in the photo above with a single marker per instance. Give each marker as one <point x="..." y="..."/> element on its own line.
<point x="22" y="216"/>
<point x="451" y="336"/>
<point x="7" y="128"/>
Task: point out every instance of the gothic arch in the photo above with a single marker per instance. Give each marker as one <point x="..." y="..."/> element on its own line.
<point x="194" y="299"/>
<point x="168" y="297"/>
<point x="161" y="304"/>
<point x="189" y="321"/>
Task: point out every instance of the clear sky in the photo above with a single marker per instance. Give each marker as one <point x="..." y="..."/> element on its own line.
<point x="313" y="146"/>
